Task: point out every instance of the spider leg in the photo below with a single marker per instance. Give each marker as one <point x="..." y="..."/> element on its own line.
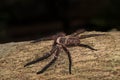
<point x="51" y="62"/>
<point x="90" y="35"/>
<point x="50" y="37"/>
<point x="87" y="46"/>
<point x="42" y="39"/>
<point x="77" y="32"/>
<point x="69" y="57"/>
<point x="43" y="57"/>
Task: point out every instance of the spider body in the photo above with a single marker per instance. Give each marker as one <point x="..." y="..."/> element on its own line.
<point x="61" y="41"/>
<point x="68" y="41"/>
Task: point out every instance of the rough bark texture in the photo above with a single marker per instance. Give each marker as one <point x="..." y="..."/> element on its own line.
<point x="103" y="64"/>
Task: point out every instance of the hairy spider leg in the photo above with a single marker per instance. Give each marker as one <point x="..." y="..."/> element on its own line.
<point x="52" y="37"/>
<point x="86" y="46"/>
<point x="77" y="32"/>
<point x="43" y="57"/>
<point x="42" y="39"/>
<point x="69" y="57"/>
<point x="51" y="62"/>
<point x="90" y="35"/>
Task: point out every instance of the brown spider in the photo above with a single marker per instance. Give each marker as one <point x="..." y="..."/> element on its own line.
<point x="61" y="41"/>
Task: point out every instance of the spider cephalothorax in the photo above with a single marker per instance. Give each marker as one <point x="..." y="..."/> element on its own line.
<point x="61" y="41"/>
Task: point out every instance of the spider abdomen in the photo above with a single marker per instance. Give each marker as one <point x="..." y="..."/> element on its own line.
<point x="68" y="41"/>
<point x="72" y="41"/>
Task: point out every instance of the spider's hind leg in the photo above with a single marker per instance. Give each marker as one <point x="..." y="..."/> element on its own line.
<point x="90" y="35"/>
<point x="87" y="46"/>
<point x="78" y="32"/>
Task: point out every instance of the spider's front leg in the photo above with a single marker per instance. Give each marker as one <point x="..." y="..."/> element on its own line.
<point x="42" y="39"/>
<point x="69" y="57"/>
<point x="51" y="62"/>
<point x="43" y="57"/>
<point x="50" y="37"/>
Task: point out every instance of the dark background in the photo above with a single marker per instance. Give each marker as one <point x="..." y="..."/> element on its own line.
<point x="22" y="20"/>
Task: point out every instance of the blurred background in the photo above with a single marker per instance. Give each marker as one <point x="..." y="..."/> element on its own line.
<point x="22" y="20"/>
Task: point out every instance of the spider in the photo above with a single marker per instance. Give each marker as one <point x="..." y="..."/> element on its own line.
<point x="61" y="41"/>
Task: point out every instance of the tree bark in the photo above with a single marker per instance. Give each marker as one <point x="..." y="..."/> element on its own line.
<point x="103" y="64"/>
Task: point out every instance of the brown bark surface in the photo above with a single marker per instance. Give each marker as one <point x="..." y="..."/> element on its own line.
<point x="103" y="64"/>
